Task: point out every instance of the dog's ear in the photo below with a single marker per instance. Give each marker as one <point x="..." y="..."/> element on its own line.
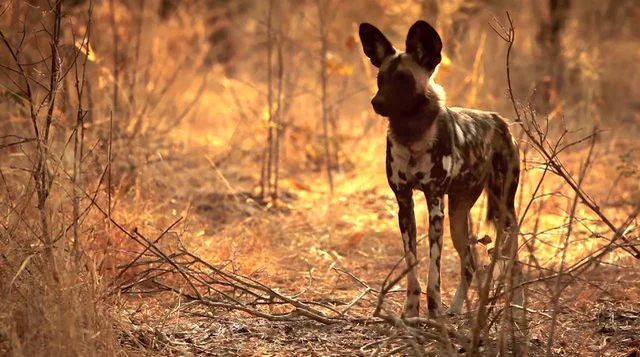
<point x="424" y="44"/>
<point x="375" y="44"/>
<point x="485" y="240"/>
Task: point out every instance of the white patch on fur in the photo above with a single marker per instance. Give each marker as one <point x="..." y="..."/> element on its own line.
<point x="459" y="132"/>
<point x="472" y="129"/>
<point x="418" y="151"/>
<point x="436" y="211"/>
<point x="435" y="252"/>
<point x="457" y="164"/>
<point x="447" y="163"/>
<point x="423" y="165"/>
<point x="433" y="269"/>
<point x="437" y="91"/>
<point x="401" y="157"/>
<point x="394" y="172"/>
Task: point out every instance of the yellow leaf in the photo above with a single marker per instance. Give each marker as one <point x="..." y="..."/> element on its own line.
<point x="345" y="70"/>
<point x="445" y="63"/>
<point x="85" y="48"/>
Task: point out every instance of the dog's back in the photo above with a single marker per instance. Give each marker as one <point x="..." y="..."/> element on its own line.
<point x="486" y="155"/>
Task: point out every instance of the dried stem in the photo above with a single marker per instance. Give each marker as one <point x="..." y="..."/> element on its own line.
<point x="79" y="137"/>
<point x="324" y="79"/>
<point x="116" y="61"/>
<point x="537" y="138"/>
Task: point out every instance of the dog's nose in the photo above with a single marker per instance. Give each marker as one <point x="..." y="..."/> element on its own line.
<point x="378" y="104"/>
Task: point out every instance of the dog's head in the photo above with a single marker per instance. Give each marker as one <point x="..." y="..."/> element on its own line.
<point x="403" y="77"/>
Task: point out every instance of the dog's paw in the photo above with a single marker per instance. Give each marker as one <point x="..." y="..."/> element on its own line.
<point x="410" y="310"/>
<point x="453" y="311"/>
<point x="435" y="313"/>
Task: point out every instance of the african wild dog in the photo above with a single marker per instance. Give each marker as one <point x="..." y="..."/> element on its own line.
<point x="439" y="150"/>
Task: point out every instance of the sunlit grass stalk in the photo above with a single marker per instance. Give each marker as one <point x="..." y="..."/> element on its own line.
<point x="41" y="171"/>
<point x="557" y="289"/>
<point x="265" y="172"/>
<point x="80" y="81"/>
<point x="116" y="61"/>
<point x="324" y="80"/>
<point x="278" y="121"/>
<point x="136" y="51"/>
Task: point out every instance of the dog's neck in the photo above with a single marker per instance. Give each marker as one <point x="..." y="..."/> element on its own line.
<point x="411" y="126"/>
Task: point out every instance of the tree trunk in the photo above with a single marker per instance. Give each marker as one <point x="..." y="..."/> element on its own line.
<point x="550" y="42"/>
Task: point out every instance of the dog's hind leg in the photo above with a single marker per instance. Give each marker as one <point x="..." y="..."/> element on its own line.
<point x="502" y="186"/>
<point x="510" y="250"/>
<point x="459" y="206"/>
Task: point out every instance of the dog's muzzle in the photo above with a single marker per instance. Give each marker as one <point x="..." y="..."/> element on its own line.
<point x="378" y="105"/>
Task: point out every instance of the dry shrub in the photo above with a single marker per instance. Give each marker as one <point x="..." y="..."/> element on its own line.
<point x="173" y="135"/>
<point x="69" y="317"/>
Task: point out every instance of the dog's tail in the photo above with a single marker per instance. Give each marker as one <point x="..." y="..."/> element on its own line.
<point x="503" y="177"/>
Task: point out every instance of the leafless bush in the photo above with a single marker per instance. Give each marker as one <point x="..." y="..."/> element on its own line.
<point x="494" y="317"/>
<point x="96" y="109"/>
<point x="47" y="276"/>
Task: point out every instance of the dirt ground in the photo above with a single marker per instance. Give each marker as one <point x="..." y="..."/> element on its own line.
<point x="317" y="247"/>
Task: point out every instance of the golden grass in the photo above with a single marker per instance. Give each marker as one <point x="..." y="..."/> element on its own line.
<point x="164" y="169"/>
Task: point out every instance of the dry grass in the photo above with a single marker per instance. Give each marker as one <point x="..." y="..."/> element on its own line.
<point x="184" y="140"/>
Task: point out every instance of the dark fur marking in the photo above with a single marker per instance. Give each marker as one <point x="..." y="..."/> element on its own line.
<point x="515" y="172"/>
<point x="371" y="37"/>
<point x="389" y="161"/>
<point x="445" y="136"/>
<point x="410" y="112"/>
<point x="468" y="273"/>
<point x="437" y="171"/>
<point x="436" y="224"/>
<point x="472" y="149"/>
<point x="416" y="292"/>
<point x="404" y="223"/>
<point x="431" y="302"/>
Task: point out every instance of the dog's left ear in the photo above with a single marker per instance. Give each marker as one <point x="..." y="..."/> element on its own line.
<point x="424" y="44"/>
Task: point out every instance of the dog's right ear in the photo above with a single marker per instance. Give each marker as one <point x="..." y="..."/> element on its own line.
<point x="375" y="44"/>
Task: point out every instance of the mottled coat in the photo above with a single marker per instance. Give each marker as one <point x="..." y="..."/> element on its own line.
<point x="441" y="151"/>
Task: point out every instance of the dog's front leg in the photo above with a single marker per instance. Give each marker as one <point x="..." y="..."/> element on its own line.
<point x="435" y="203"/>
<point x="407" y="222"/>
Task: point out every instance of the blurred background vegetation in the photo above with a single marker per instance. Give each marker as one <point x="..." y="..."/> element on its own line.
<point x="251" y="118"/>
